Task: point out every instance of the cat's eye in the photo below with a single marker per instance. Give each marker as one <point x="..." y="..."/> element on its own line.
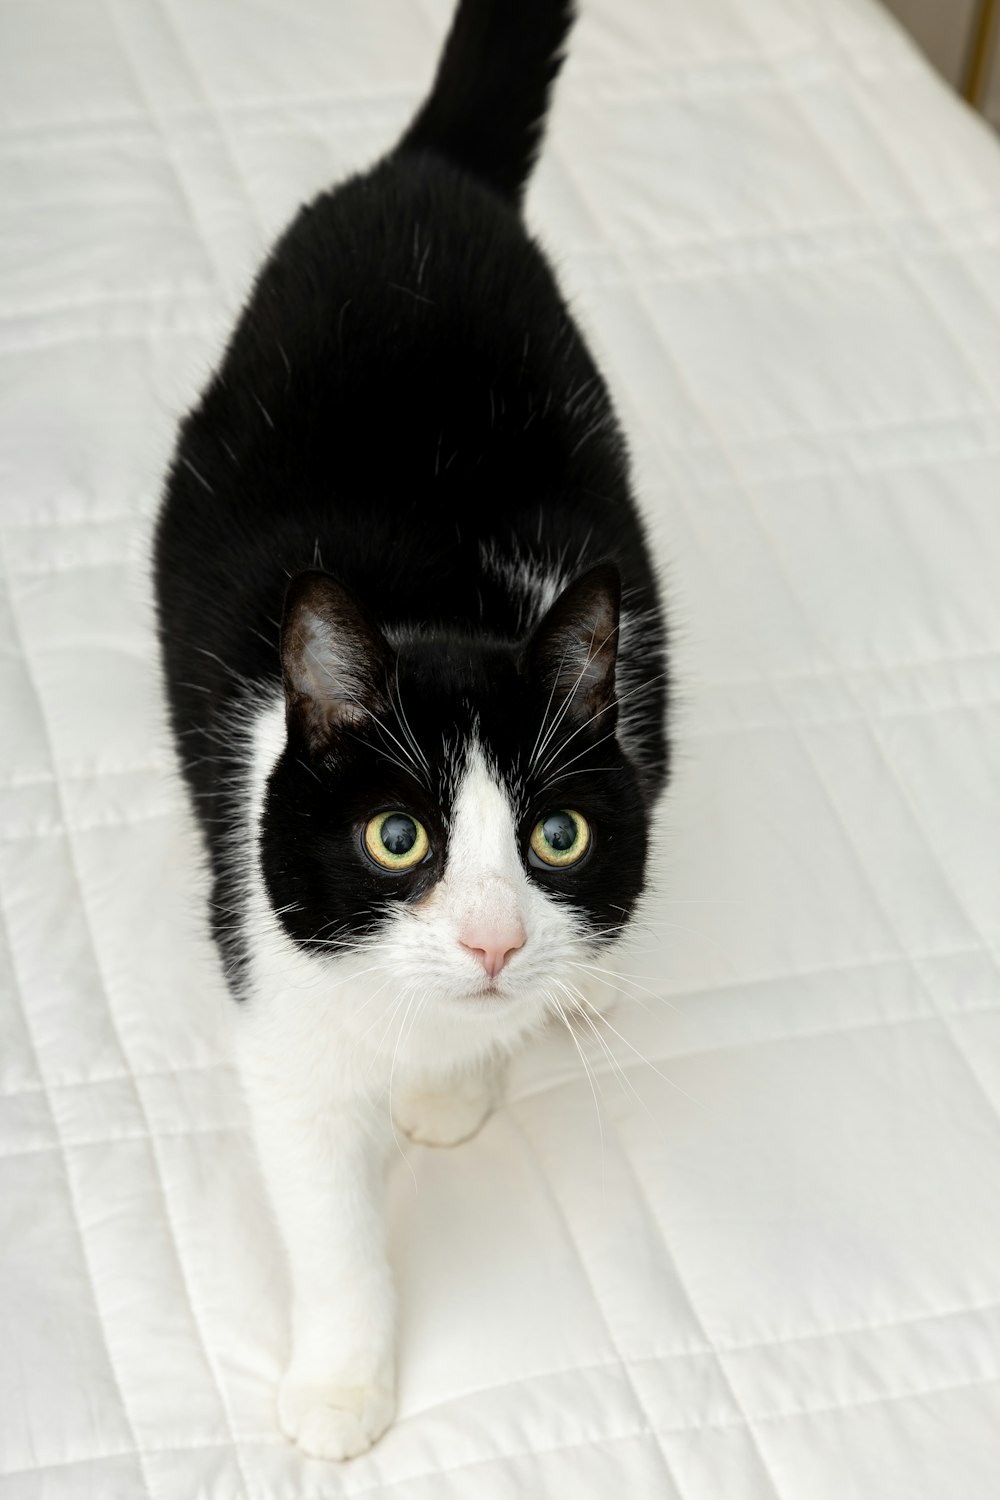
<point x="560" y="839"/>
<point x="396" y="841"/>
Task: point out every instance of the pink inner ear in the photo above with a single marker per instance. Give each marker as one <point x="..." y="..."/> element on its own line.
<point x="334" y="657"/>
<point x="575" y="645"/>
<point x="318" y="666"/>
<point x="319" y="687"/>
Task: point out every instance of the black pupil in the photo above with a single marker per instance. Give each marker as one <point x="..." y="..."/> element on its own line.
<point x="399" y="833"/>
<point x="559" y="831"/>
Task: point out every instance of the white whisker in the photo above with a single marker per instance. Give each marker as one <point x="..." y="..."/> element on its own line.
<point x="615" y="703"/>
<point x="642" y="1058"/>
<point x="591" y="658"/>
<point x="609" y="974"/>
<point x="392" y="1069"/>
<point x="586" y="1068"/>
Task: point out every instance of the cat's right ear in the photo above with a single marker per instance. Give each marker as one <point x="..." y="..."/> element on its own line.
<point x="334" y="660"/>
<point x="575" y="646"/>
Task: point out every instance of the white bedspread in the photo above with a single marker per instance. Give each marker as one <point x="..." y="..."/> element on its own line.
<point x="778" y="1277"/>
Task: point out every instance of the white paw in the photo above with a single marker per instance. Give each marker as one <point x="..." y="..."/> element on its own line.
<point x="443" y="1119"/>
<point x="333" y="1421"/>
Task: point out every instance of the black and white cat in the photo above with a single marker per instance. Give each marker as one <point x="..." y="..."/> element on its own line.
<point x="415" y="663"/>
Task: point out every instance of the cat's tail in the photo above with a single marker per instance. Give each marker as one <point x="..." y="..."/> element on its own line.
<point x="486" y="110"/>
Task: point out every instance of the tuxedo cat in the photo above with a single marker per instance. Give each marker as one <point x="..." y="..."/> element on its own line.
<point x="415" y="663"/>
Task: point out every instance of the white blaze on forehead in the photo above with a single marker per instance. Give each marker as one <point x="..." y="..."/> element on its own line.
<point x="483" y="875"/>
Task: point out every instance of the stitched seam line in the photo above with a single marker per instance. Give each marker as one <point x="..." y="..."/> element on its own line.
<point x="57" y="1128"/>
<point x="115" y="1031"/>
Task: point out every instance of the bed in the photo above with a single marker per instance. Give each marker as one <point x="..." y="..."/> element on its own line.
<point x="764" y="1261"/>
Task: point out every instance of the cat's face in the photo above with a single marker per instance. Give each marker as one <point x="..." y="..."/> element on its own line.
<point x="458" y="811"/>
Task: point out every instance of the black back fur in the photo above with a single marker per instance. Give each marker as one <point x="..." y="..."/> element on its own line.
<point x="407" y="408"/>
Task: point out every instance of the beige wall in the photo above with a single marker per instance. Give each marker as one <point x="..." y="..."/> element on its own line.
<point x="943" y="28"/>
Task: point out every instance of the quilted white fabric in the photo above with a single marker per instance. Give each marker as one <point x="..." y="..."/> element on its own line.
<point x="777" y="1276"/>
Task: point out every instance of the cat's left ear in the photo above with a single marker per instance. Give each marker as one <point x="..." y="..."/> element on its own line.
<point x="573" y="650"/>
<point x="334" y="659"/>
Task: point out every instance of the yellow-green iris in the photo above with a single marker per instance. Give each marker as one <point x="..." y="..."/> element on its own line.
<point x="396" y="841"/>
<point x="561" y="838"/>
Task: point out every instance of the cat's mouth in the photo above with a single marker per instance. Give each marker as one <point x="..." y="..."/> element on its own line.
<point x="489" y="989"/>
<point x="504" y="992"/>
<point x="487" y="994"/>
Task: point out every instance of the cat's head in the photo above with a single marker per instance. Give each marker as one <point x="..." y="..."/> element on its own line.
<point x="455" y="810"/>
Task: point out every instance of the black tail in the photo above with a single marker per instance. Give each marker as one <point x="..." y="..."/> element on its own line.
<point x="486" y="110"/>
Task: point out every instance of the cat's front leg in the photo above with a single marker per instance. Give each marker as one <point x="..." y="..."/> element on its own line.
<point x="322" y="1160"/>
<point x="445" y="1114"/>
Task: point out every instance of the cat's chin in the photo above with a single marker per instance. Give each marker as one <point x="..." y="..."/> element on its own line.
<point x="506" y="1011"/>
<point x="491" y="989"/>
<point x="489" y="1000"/>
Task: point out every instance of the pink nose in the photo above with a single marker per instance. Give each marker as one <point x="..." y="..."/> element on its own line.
<point x="493" y="945"/>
